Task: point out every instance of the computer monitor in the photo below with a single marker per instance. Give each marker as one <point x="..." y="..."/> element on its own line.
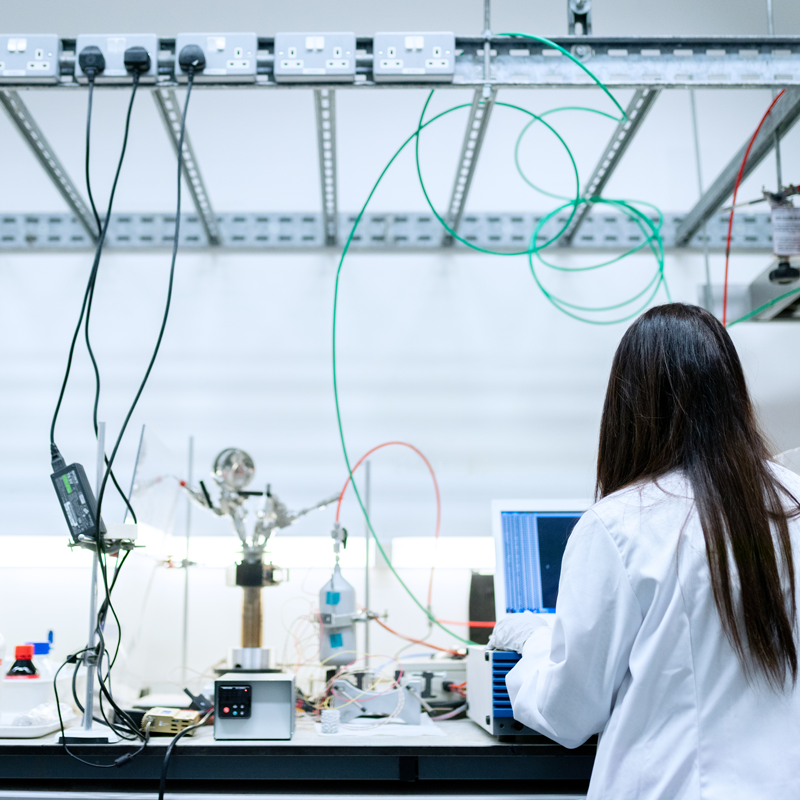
<point x="530" y="537"/>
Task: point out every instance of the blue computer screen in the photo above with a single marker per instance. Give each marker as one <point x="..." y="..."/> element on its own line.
<point x="533" y="547"/>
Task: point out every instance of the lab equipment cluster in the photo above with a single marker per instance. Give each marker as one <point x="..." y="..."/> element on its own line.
<point x="306" y="57"/>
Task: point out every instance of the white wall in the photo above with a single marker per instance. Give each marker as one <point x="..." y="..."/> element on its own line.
<point x="459" y="354"/>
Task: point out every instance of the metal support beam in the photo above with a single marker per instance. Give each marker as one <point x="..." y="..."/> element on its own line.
<point x="26" y="124"/>
<point x="669" y="62"/>
<point x="477" y="125"/>
<point x="325" y="108"/>
<point x="639" y="106"/>
<point x="778" y="123"/>
<point x="170" y="111"/>
<point x="381" y="232"/>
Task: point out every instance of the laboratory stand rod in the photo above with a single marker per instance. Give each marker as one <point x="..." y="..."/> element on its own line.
<point x="771" y="23"/>
<point x="89" y="656"/>
<point x="133" y="474"/>
<point x="707" y="295"/>
<point x="367" y="534"/>
<point x="185" y="638"/>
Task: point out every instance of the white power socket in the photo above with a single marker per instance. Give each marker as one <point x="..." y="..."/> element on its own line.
<point x="414" y="57"/>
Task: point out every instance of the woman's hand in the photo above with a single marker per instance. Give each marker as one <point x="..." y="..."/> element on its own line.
<point x="514" y="630"/>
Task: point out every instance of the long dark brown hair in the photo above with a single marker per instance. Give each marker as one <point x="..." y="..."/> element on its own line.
<point x="677" y="400"/>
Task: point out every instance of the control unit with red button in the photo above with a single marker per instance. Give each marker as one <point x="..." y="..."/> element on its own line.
<point x="255" y="705"/>
<point x="235" y="701"/>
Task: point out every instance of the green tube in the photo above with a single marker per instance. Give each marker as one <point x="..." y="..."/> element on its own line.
<point x="574" y="60"/>
<point x="649" y="230"/>
<point x="758" y="310"/>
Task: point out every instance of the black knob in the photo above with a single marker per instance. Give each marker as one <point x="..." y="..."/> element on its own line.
<point x="784" y="273"/>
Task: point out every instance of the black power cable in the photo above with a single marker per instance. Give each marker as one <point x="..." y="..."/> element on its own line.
<point x="162" y="784"/>
<point x="101" y="554"/>
<point x="86" y="159"/>
<point x="96" y="266"/>
<point x="137" y="60"/>
<point x="92" y="62"/>
<point x="128" y="729"/>
<point x="191" y="59"/>
<point x="87" y="308"/>
<point x="120" y="760"/>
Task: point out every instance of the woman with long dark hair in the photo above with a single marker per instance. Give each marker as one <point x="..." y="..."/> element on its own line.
<point x="675" y="634"/>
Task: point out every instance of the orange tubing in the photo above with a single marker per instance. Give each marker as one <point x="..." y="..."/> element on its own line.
<point x="733" y="205"/>
<point x="468" y="624"/>
<point x="435" y="488"/>
<point x="418" y="641"/>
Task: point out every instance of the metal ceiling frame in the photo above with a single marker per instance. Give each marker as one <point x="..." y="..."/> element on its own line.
<point x="484" y="64"/>
<point x="411" y="232"/>
<point x="641" y="103"/>
<point x="23" y="119"/>
<point x="477" y="125"/>
<point x="783" y="116"/>
<point x="169" y="110"/>
<point x="325" y="110"/>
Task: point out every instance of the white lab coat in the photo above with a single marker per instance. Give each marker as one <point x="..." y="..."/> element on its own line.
<point x="637" y="654"/>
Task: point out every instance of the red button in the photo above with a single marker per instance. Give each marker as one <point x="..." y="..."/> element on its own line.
<point x="225" y="710"/>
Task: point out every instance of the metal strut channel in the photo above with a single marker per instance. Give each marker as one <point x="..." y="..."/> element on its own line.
<point x="477" y="125"/>
<point x="32" y="134"/>
<point x="781" y="119"/>
<point x="404" y="231"/>
<point x="641" y="102"/>
<point x="170" y="111"/>
<point x="325" y="108"/>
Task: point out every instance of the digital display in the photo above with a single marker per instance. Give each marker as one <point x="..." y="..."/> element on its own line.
<point x="533" y="548"/>
<point x="553" y="533"/>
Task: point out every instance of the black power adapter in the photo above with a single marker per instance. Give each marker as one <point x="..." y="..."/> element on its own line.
<point x="77" y="499"/>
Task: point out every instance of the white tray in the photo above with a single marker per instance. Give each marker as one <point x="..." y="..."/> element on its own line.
<point x="27" y="731"/>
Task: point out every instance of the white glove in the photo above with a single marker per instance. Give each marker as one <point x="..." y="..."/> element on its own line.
<point x="514" y="630"/>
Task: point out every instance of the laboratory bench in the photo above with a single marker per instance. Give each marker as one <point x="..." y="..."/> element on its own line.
<point x="464" y="761"/>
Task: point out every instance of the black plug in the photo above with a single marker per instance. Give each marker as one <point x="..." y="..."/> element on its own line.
<point x="56" y="459"/>
<point x="137" y="60"/>
<point x="92" y="61"/>
<point x="199" y="702"/>
<point x="192" y="59"/>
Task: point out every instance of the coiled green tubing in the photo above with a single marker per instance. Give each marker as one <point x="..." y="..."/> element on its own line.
<point x="626" y="309"/>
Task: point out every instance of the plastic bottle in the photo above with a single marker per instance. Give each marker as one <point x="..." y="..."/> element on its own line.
<point x="41" y="657"/>
<point x="23" y="667"/>
<point x="337" y="605"/>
